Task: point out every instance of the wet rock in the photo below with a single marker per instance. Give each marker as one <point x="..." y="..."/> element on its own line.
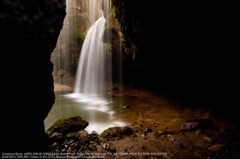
<point x="92" y="147"/>
<point x="48" y="133"/>
<point x="160" y="133"/>
<point x="199" y="131"/>
<point x="171" y="138"/>
<point x="69" y="125"/>
<point x="100" y="139"/>
<point x="202" y="143"/>
<point x="110" y="94"/>
<point x="70" y="135"/>
<point x="216" y="147"/>
<point x="114" y="132"/>
<point x="110" y="132"/>
<point x="94" y="133"/>
<point x="208" y="139"/>
<point x="57" y="136"/>
<point x="148" y="130"/>
<point x="135" y="136"/>
<point x="106" y="146"/>
<point x="76" y="146"/>
<point x="144" y="136"/>
<point x="197" y="124"/>
<point x="130" y="124"/>
<point x="92" y="138"/>
<point x="113" y="150"/>
<point x="125" y="107"/>
<point x="126" y="131"/>
<point x="81" y="135"/>
<point x="54" y="146"/>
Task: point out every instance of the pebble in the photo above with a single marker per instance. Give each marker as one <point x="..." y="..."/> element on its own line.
<point x="199" y="131"/>
<point x="130" y="124"/>
<point x="197" y="154"/>
<point x="148" y="130"/>
<point x="216" y="148"/>
<point x="55" y="145"/>
<point x="171" y="138"/>
<point x="95" y="133"/>
<point x="57" y="136"/>
<point x="70" y="135"/>
<point x="208" y="139"/>
<point x="105" y="146"/>
<point x="125" y="107"/>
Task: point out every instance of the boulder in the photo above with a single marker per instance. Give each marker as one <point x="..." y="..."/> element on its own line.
<point x="197" y="124"/>
<point x="69" y="125"/>
<point x="203" y="142"/>
<point x="115" y="132"/>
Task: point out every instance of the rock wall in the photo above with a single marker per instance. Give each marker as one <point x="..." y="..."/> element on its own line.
<point x="184" y="49"/>
<point x="29" y="31"/>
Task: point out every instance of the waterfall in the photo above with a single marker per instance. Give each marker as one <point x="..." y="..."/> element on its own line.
<point x="92" y="73"/>
<point x="97" y="61"/>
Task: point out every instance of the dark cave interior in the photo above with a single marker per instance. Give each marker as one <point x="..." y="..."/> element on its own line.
<point x="184" y="50"/>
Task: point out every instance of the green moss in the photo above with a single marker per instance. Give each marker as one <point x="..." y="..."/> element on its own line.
<point x="68" y="125"/>
<point x="105" y="133"/>
<point x="116" y="132"/>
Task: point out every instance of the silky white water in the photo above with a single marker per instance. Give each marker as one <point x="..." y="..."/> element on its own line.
<point x="94" y="78"/>
<point x="94" y="75"/>
<point x="91" y="74"/>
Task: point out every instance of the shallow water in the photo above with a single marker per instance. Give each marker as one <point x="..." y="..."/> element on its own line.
<point x="100" y="113"/>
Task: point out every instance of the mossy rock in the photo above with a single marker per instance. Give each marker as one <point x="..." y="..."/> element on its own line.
<point x="110" y="132"/>
<point x="69" y="125"/>
<point x="116" y="132"/>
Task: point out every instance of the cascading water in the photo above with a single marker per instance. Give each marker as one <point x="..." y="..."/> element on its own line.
<point x="92" y="73"/>
<point x="93" y="77"/>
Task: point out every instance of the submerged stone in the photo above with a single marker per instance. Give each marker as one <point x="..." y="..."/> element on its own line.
<point x="69" y="125"/>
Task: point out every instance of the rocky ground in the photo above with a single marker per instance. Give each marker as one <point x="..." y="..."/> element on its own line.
<point x="197" y="139"/>
<point x="158" y="128"/>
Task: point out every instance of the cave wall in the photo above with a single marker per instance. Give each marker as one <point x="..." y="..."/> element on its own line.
<point x="185" y="49"/>
<point x="29" y="32"/>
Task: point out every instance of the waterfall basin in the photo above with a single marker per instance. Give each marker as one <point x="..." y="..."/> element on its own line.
<point x="99" y="112"/>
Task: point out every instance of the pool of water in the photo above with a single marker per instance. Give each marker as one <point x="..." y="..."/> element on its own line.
<point x="99" y="112"/>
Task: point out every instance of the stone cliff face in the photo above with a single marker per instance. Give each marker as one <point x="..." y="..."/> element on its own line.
<point x="185" y="49"/>
<point x="29" y="31"/>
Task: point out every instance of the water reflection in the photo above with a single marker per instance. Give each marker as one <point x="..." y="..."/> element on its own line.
<point x="97" y="111"/>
